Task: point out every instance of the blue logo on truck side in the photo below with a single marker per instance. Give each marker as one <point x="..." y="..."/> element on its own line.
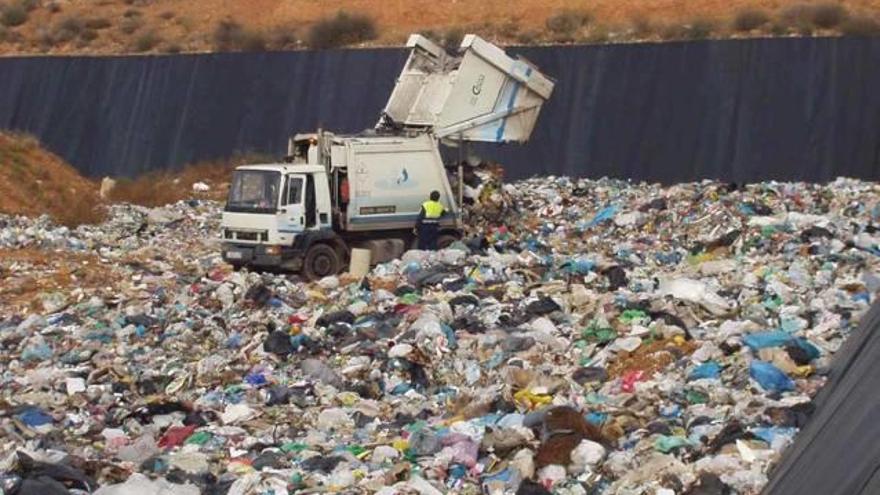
<point x="401" y="181"/>
<point x="403" y="177"/>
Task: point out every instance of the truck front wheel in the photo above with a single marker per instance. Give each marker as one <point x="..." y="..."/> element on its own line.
<point x="321" y="261"/>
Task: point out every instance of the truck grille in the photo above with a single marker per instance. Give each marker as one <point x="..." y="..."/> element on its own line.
<point x="241" y="235"/>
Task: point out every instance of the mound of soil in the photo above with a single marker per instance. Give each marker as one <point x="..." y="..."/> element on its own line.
<point x="34" y="181"/>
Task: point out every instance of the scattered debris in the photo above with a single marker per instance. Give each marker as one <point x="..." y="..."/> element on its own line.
<point x="566" y="345"/>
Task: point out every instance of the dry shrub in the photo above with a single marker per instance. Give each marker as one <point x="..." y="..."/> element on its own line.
<point x="449" y="39"/>
<point x="152" y="189"/>
<point x="598" y="35"/>
<point x="146" y="42"/>
<point x="172" y="48"/>
<point x="343" y="29"/>
<point x="796" y="18"/>
<point x="131" y="24"/>
<point x="565" y="24"/>
<point x="164" y="187"/>
<point x="642" y="27"/>
<point x="671" y="32"/>
<point x="509" y="30"/>
<point x="185" y="23"/>
<point x="282" y="38"/>
<point x="697" y="29"/>
<point x="98" y="23"/>
<point x="860" y="26"/>
<point x="804" y="19"/>
<point x="66" y="30"/>
<point x="87" y="36"/>
<point x="232" y="36"/>
<point x="14" y="14"/>
<point x="828" y="15"/>
<point x="452" y="38"/>
<point x="81" y="212"/>
<point x="529" y="37"/>
<point x="778" y="28"/>
<point x="750" y="19"/>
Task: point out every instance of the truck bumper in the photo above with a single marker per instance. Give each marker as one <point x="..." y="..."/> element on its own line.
<point x="257" y="256"/>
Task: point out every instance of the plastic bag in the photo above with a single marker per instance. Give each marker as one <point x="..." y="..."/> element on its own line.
<point x="770" y="377"/>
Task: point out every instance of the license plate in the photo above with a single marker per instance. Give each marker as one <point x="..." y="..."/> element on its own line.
<point x="233" y="255"/>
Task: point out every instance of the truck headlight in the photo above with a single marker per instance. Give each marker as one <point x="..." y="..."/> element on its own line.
<point x="273" y="250"/>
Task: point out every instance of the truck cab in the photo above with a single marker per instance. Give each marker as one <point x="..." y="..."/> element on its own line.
<point x="272" y="210"/>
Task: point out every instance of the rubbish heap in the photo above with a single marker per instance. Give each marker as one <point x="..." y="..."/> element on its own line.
<point x="585" y="337"/>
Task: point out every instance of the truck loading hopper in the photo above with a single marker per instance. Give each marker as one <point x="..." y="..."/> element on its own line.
<point x="482" y="94"/>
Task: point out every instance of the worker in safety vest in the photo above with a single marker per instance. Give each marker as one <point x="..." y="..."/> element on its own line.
<point x="428" y="223"/>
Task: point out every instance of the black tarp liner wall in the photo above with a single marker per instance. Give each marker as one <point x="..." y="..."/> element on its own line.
<point x="838" y="452"/>
<point x="744" y="110"/>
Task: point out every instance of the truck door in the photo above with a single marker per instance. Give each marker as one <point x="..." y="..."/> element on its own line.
<point x="311" y="207"/>
<point x="292" y="216"/>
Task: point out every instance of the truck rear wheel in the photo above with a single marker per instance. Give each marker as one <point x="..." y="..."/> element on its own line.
<point x="321" y="261"/>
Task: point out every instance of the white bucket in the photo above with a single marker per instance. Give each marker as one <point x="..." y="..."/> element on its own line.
<point x="360" y="262"/>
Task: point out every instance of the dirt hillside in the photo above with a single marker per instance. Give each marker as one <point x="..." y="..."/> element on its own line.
<point x="34" y="181"/>
<point x="156" y="26"/>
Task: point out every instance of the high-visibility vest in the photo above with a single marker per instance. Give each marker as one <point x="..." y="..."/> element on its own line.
<point x="433" y="209"/>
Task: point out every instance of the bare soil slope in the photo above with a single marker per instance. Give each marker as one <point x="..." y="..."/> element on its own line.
<point x="125" y="26"/>
<point x="34" y="181"/>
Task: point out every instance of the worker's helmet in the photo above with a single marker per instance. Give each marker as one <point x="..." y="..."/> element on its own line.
<point x="435" y="195"/>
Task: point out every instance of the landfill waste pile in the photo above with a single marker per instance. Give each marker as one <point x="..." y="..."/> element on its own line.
<point x="585" y="337"/>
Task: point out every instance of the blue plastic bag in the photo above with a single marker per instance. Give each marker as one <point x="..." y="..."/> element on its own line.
<point x="811" y="350"/>
<point x="451" y="341"/>
<point x="779" y="338"/>
<point x="580" y="266"/>
<point x="761" y="340"/>
<point x="597" y="418"/>
<point x="401" y="388"/>
<point x="255" y="379"/>
<point x="770" y="433"/>
<point x="771" y="378"/>
<point x="34" y="417"/>
<point x="709" y="369"/>
<point x="603" y="215"/>
<point x="39" y="352"/>
<point x="299" y="341"/>
<point x="664" y="258"/>
<point x="233" y="341"/>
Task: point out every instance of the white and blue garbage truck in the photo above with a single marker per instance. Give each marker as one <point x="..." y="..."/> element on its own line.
<point x="332" y="193"/>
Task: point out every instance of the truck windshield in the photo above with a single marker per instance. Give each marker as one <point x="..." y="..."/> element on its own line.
<point x="254" y="191"/>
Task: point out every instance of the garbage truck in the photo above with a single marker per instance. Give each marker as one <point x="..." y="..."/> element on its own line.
<point x="333" y="193"/>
